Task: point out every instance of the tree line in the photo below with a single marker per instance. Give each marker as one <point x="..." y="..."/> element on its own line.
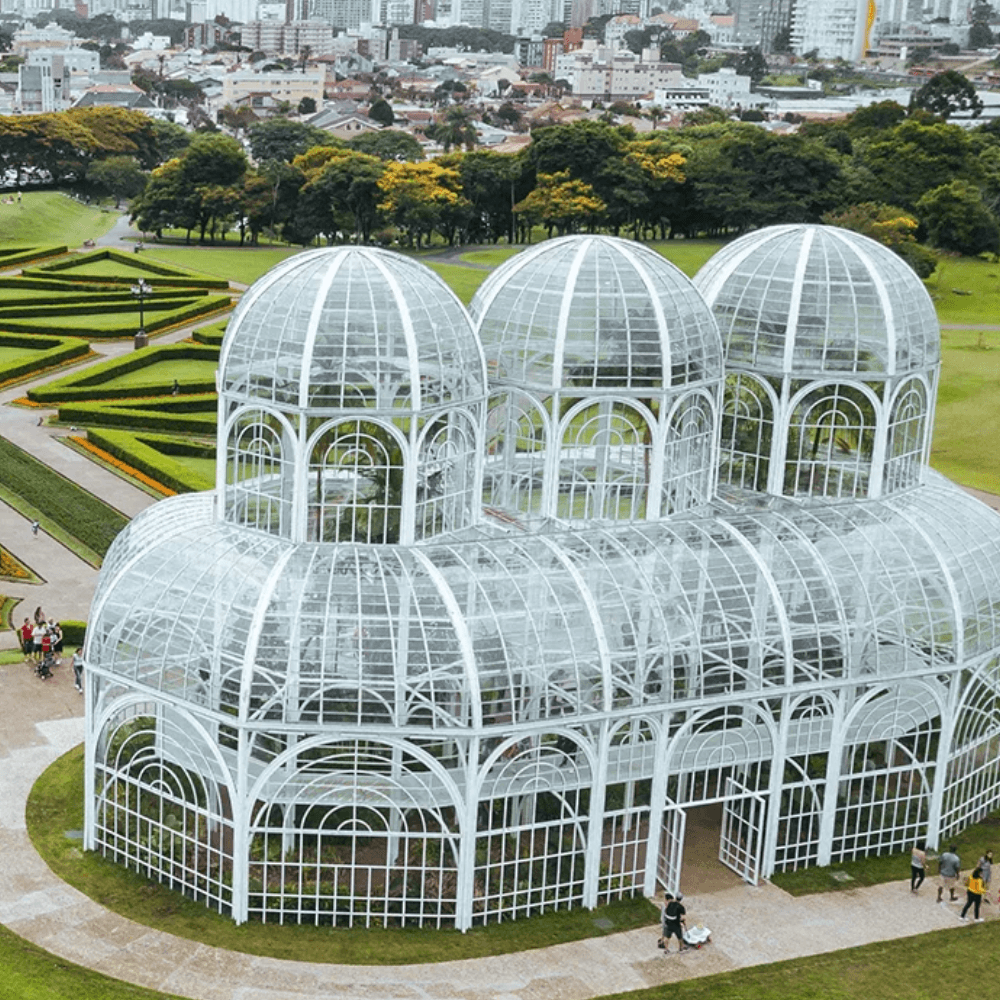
<point x="906" y="176"/>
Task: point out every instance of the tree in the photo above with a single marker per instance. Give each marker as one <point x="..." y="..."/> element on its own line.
<point x="752" y="64"/>
<point x="341" y="197"/>
<point x="782" y="41"/>
<point x="171" y="139"/>
<point x="120" y="176"/>
<point x="878" y="117"/>
<point x="914" y="158"/>
<point x="381" y="112"/>
<point x="214" y="160"/>
<point x="422" y="198"/>
<point x="892" y="227"/>
<point x="282" y="139"/>
<point x="307" y="106"/>
<point x="956" y="218"/>
<point x="946" y="94"/>
<point x="562" y="203"/>
<point x="491" y="183"/>
<point x="167" y="202"/>
<point x="980" y="36"/>
<point x="388" y="144"/>
<point x="456" y="128"/>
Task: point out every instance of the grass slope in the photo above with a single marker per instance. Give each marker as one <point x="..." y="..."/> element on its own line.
<point x="52" y="217"/>
<point x="244" y="265"/>
<point x="968" y="409"/>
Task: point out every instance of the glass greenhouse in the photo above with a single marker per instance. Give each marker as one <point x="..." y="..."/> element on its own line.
<point x="482" y="608"/>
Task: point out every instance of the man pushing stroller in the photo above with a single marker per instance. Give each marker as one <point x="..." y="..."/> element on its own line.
<point x="673" y="924"/>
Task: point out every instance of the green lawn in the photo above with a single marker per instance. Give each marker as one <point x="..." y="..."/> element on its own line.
<point x="46" y="217"/>
<point x="9" y="354"/>
<point x="968" y="411"/>
<point x="463" y="281"/>
<point x="966" y="290"/>
<point x="29" y="973"/>
<point x="164" y="371"/>
<point x="244" y="265"/>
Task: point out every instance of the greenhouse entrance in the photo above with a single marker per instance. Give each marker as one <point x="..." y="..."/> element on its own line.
<point x="708" y="847"/>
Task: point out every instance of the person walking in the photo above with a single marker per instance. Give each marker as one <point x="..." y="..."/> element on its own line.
<point x="78" y="670"/>
<point x="986" y="863"/>
<point x="37" y="635"/>
<point x="949" y="868"/>
<point x="918" y="867"/>
<point x="35" y="525"/>
<point x="973" y="895"/>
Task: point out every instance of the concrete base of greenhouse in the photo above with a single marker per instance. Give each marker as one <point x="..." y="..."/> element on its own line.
<point x="750" y="926"/>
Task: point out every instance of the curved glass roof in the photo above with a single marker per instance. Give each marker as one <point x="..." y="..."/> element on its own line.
<point x="349" y="327"/>
<point x="555" y="624"/>
<point x="818" y="300"/>
<point x="595" y="312"/>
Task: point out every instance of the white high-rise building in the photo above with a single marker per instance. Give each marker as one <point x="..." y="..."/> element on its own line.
<point x="835" y="29"/>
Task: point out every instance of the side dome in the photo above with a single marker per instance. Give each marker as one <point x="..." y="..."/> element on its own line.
<point x="352" y="397"/>
<point x="810" y="300"/>
<point x="832" y="347"/>
<point x="349" y="327"/>
<point x="595" y="312"/>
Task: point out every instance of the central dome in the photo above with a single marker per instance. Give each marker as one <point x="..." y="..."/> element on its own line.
<point x="350" y="327"/>
<point x="595" y="312"/>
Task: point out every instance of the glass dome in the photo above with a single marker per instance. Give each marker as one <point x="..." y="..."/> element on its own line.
<point x="350" y="327"/>
<point x="595" y="312"/>
<point x="810" y="300"/>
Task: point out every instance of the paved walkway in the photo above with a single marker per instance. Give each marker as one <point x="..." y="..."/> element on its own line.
<point x="751" y="925"/>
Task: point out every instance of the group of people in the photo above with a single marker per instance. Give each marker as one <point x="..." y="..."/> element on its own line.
<point x="42" y="644"/>
<point x="977" y="885"/>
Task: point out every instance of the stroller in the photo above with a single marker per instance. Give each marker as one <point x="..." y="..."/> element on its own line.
<point x="695" y="937"/>
<point x="43" y="668"/>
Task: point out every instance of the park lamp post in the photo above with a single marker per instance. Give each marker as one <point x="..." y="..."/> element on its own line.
<point x="140" y="290"/>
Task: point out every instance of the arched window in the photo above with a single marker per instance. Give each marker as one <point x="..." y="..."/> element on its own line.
<point x="516" y="442"/>
<point x="747" y="431"/>
<point x="907" y="433"/>
<point x="689" y="455"/>
<point x="259" y="474"/>
<point x="831" y="436"/>
<point x="604" y="460"/>
<point x="355" y="484"/>
<point x="446" y="475"/>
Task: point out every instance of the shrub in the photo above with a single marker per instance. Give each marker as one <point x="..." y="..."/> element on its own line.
<point x="24" y="255"/>
<point x="78" y="513"/>
<point x="150" y="454"/>
<point x="102" y="415"/>
<point x="73" y="631"/>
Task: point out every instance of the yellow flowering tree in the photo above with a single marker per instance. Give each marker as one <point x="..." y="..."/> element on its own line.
<point x="558" y="202"/>
<point x="421" y="198"/>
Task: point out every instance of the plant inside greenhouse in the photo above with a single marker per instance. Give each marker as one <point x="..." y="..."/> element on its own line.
<point x="485" y="604"/>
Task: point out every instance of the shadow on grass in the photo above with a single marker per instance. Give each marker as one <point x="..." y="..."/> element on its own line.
<point x="55" y="809"/>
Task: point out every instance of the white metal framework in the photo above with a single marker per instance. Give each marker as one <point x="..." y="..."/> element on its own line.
<point x="341" y="689"/>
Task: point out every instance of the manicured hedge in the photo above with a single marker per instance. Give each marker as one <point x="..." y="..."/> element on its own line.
<point x="212" y="333"/>
<point x="150" y="454"/>
<point x="13" y="256"/>
<point x="49" y="353"/>
<point x="168" y="318"/>
<point x="75" y="511"/>
<point x="153" y="303"/>
<point x="154" y="271"/>
<point x="73" y="631"/>
<point x="103" y="415"/>
<point x="90" y="384"/>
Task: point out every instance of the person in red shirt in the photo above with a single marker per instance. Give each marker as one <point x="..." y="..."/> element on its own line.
<point x="25" y="634"/>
